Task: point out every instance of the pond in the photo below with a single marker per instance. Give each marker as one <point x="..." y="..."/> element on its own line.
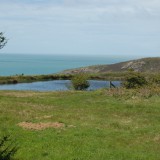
<point x="56" y="85"/>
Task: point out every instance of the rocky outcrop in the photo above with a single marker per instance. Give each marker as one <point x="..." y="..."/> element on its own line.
<point x="135" y="65"/>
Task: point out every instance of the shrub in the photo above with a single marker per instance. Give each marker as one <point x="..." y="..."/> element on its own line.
<point x="79" y="82"/>
<point x="135" y="80"/>
<point x="155" y="79"/>
<point x="7" y="150"/>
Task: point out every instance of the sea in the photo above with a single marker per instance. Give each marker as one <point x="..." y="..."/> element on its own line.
<point x="36" y="64"/>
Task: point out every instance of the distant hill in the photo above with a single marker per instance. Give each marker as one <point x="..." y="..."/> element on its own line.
<point x="139" y="65"/>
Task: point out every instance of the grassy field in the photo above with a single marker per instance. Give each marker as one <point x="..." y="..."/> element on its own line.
<point x="89" y="125"/>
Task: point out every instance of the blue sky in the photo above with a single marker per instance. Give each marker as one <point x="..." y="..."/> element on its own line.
<point x="81" y="27"/>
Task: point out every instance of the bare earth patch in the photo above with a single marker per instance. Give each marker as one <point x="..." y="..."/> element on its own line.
<point x="41" y="126"/>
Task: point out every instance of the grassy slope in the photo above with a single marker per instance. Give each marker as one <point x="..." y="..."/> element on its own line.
<point x="107" y="128"/>
<point x="149" y="65"/>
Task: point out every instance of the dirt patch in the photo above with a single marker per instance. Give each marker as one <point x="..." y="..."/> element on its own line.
<point x="41" y="126"/>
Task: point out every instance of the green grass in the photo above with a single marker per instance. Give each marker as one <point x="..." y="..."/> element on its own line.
<point x="105" y="127"/>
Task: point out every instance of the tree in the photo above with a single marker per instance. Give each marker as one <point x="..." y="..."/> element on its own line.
<point x="3" y="40"/>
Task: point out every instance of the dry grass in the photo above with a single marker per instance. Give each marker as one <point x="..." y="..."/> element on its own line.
<point x="41" y="126"/>
<point x="145" y="92"/>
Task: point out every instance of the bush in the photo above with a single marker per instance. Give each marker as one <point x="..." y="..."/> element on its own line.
<point x="7" y="150"/>
<point x="135" y="80"/>
<point x="155" y="79"/>
<point x="79" y="82"/>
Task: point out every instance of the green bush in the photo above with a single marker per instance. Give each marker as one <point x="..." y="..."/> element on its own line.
<point x="7" y="149"/>
<point x="135" y="80"/>
<point x="155" y="79"/>
<point x="79" y="82"/>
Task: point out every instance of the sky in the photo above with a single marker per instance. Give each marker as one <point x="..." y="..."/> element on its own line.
<point x="81" y="27"/>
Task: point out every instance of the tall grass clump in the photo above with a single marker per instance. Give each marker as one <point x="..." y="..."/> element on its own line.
<point x="79" y="82"/>
<point x="7" y="149"/>
<point x="138" y="93"/>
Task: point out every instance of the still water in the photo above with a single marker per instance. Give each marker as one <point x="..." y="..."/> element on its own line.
<point x="56" y="85"/>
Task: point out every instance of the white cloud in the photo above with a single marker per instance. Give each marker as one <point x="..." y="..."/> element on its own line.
<point x="89" y="20"/>
<point x="118" y="7"/>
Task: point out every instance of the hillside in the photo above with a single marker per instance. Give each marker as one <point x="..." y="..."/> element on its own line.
<point x="139" y="65"/>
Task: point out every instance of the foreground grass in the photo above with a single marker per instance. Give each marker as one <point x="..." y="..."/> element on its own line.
<point x="103" y="127"/>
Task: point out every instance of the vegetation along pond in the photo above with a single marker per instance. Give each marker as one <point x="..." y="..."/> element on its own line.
<point x="56" y="85"/>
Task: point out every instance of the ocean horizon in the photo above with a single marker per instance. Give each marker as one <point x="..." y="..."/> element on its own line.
<point x="36" y="64"/>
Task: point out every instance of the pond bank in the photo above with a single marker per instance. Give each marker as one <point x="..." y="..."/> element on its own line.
<point x="36" y="78"/>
